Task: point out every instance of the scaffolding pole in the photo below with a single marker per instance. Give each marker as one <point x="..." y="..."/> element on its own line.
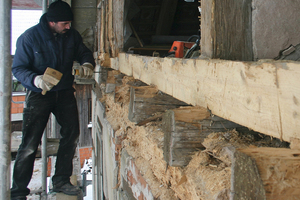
<point x="5" y="97"/>
<point x="44" y="142"/>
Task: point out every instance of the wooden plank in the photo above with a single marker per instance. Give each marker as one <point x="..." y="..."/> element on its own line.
<point x="263" y="96"/>
<point x="145" y="101"/>
<point x="279" y="170"/>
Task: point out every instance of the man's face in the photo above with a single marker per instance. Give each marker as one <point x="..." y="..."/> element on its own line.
<point x="60" y="27"/>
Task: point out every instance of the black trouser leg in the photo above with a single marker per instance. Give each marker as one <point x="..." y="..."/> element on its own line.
<point x="35" y="117"/>
<point x="66" y="114"/>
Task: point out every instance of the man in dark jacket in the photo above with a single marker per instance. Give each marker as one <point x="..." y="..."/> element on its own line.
<point x="51" y="43"/>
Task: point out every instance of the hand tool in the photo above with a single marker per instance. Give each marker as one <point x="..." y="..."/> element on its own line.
<point x="51" y="76"/>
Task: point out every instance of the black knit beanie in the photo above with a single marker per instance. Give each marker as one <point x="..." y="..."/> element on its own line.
<point x="59" y="11"/>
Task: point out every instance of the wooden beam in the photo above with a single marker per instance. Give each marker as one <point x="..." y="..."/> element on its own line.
<point x="246" y="182"/>
<point x="185" y="129"/>
<point x="263" y="96"/>
<point x="279" y="171"/>
<point x="226" y="29"/>
<point x="118" y="24"/>
<point x="145" y="101"/>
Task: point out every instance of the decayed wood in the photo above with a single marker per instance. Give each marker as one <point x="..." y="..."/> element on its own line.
<point x="107" y="28"/>
<point x="111" y="81"/>
<point x="263" y="96"/>
<point x="150" y="119"/>
<point x="111" y="30"/>
<point x="184" y="131"/>
<point x="147" y="100"/>
<point x="279" y="169"/>
<point x="102" y="28"/>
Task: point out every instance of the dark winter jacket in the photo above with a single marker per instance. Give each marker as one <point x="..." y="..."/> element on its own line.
<point x="37" y="49"/>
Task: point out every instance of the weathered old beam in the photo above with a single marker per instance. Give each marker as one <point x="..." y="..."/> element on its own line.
<point x="263" y="96"/>
<point x="145" y="101"/>
<point x="226" y="29"/>
<point x="245" y="179"/>
<point x="184" y="131"/>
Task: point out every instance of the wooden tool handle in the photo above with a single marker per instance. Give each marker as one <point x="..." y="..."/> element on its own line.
<point x="44" y="92"/>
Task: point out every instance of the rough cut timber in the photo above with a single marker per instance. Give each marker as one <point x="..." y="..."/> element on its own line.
<point x="184" y="131"/>
<point x="279" y="170"/>
<point x="145" y="101"/>
<point x="246" y="182"/>
<point x="263" y="96"/>
<point x="111" y="29"/>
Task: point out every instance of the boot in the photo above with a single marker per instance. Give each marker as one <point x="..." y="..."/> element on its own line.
<point x="66" y="188"/>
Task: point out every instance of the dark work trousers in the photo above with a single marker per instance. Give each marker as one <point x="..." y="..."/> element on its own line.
<point x="35" y="117"/>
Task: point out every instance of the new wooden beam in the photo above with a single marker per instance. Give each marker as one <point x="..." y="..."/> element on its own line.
<point x="263" y="96"/>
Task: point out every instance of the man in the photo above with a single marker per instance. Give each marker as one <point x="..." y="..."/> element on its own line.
<point x="51" y="43"/>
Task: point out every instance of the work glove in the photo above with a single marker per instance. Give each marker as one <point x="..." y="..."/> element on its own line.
<point x="40" y="83"/>
<point x="86" y="71"/>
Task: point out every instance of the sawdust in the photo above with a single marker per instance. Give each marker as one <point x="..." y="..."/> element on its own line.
<point x="144" y="144"/>
<point x="206" y="177"/>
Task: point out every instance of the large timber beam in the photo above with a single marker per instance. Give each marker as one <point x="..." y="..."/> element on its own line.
<point x="263" y="96"/>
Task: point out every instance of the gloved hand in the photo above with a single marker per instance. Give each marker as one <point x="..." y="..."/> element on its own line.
<point x="86" y="71"/>
<point x="40" y="83"/>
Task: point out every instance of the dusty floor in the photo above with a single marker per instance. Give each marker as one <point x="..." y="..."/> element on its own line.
<point x="206" y="177"/>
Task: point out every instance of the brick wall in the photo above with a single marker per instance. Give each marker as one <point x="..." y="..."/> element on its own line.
<point x="85" y="153"/>
<point x="17" y="107"/>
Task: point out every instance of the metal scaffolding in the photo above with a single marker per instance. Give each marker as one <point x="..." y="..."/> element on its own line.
<point x="5" y="97"/>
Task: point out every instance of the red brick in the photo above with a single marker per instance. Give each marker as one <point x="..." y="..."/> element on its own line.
<point x="85" y="153"/>
<point x="14" y="110"/>
<point x="49" y="167"/>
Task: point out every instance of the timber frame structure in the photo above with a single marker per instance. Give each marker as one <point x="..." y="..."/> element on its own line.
<point x="155" y="117"/>
<point x="262" y="95"/>
<point x="234" y="80"/>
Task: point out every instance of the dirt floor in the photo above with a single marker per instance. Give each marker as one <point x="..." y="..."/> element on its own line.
<point x="206" y="177"/>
